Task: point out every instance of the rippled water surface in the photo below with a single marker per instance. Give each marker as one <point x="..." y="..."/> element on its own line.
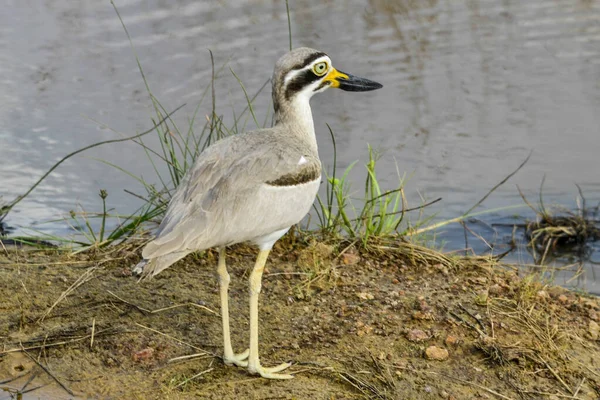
<point x="470" y="88"/>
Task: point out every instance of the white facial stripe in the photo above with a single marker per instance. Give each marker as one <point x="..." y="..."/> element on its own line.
<point x="292" y="74"/>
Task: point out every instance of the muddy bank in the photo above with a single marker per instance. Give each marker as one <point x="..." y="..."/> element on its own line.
<point x="390" y="323"/>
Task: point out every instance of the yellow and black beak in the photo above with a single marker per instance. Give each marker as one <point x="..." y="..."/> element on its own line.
<point x="350" y="83"/>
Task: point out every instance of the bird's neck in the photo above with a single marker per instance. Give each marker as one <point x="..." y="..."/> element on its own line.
<point x="296" y="116"/>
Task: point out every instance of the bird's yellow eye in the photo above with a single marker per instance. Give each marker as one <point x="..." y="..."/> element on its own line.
<point x="320" y="68"/>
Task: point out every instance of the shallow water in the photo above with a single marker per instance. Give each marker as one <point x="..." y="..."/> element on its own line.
<point x="470" y="88"/>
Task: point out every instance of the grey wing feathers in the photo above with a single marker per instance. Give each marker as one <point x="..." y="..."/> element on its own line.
<point x="225" y="173"/>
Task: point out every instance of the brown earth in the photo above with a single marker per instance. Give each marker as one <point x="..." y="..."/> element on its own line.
<point x="388" y="323"/>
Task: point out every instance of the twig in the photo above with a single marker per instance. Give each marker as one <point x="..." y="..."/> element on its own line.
<point x="31" y="378"/>
<point x="140" y="309"/>
<point x="473" y="316"/>
<point x="184" y="305"/>
<point x="360" y="385"/>
<point x="563" y="396"/>
<point x="188" y="357"/>
<point x="93" y="331"/>
<point x="502" y="182"/>
<point x="556" y="375"/>
<point x="470" y="325"/>
<point x="145" y="310"/>
<point x="175" y="339"/>
<point x="78" y="339"/>
<point x="46" y="370"/>
<point x="86" y="276"/>
<point x="194" y="377"/>
<point x="579" y="386"/>
<point x="466" y="214"/>
<point x="472" y="384"/>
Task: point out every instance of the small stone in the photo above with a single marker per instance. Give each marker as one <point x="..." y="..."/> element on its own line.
<point x="350" y="258"/>
<point x="451" y="340"/>
<point x="563" y="299"/>
<point x="423" y="306"/>
<point x="365" y="296"/>
<point x="594" y="330"/>
<point x="417" y="335"/>
<point x="422" y="316"/>
<point x="436" y="353"/>
<point x="143" y="355"/>
<point x="48" y="283"/>
<point x="363" y="329"/>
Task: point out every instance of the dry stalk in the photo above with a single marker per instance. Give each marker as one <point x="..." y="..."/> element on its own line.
<point x="85" y="277"/>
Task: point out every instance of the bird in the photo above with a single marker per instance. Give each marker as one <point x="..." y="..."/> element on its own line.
<point x="252" y="187"/>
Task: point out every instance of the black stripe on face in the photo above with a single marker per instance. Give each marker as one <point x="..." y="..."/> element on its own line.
<point x="309" y="60"/>
<point x="300" y="82"/>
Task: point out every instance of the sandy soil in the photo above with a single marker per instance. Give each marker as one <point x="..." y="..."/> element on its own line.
<point x="382" y="324"/>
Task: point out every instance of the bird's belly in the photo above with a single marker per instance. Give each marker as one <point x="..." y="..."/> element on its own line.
<point x="284" y="206"/>
<point x="275" y="209"/>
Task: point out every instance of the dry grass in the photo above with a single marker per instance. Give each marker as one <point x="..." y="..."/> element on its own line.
<point x="559" y="231"/>
<point x="348" y="311"/>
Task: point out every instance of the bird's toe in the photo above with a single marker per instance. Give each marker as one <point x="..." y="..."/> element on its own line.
<point x="237" y="359"/>
<point x="272" y="372"/>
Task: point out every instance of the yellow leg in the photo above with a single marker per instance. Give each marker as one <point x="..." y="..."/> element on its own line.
<point x="253" y="362"/>
<point x="228" y="356"/>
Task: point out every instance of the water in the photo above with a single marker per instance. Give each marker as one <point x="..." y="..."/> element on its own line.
<point x="470" y="88"/>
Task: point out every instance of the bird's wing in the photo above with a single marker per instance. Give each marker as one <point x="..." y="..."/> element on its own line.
<point x="224" y="174"/>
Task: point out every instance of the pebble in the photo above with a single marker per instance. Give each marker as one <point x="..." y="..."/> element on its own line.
<point x="417" y="335"/>
<point x="563" y="299"/>
<point x="365" y="296"/>
<point x="143" y="355"/>
<point x="350" y="258"/>
<point x="436" y="353"/>
<point x="422" y="316"/>
<point x="451" y="340"/>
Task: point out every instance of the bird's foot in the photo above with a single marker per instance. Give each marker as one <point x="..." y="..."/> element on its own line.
<point x="270" y="373"/>
<point x="237" y="359"/>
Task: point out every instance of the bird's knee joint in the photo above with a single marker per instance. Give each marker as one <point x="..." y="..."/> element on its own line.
<point x="224" y="278"/>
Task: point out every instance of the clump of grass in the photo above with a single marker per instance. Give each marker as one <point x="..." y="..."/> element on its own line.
<point x="379" y="213"/>
<point x="560" y="230"/>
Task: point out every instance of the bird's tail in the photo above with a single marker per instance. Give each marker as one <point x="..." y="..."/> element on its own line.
<point x="148" y="268"/>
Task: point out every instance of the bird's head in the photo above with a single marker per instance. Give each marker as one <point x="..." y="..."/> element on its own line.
<point x="303" y="72"/>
